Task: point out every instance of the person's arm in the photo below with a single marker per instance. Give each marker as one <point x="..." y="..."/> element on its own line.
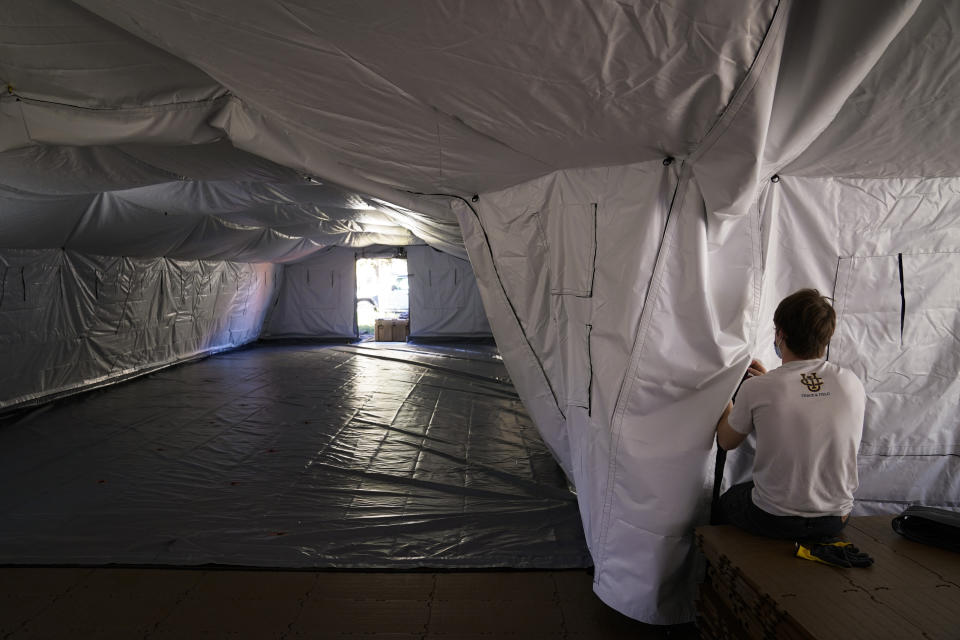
<point x="728" y="437"/>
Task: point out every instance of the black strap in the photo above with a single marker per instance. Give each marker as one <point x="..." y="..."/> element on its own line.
<point x="718" y="468"/>
<point x="717" y="480"/>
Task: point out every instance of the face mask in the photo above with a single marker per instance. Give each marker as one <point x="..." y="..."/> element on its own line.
<point x="776" y="349"/>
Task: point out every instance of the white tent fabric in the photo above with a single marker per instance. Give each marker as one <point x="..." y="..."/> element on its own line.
<point x="317" y="298"/>
<point x="444" y="298"/>
<point x="647" y="431"/>
<point x="888" y="254"/>
<point x="636" y="185"/>
<point x="271" y="215"/>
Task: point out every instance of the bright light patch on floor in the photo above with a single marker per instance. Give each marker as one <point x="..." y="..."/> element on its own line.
<point x="382" y="291"/>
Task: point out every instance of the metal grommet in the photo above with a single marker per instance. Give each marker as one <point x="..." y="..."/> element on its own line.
<point x="475" y="198"/>
<point x="667" y="161"/>
<point x="774" y="178"/>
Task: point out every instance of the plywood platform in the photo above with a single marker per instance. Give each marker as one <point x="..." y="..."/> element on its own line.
<point x="756" y="588"/>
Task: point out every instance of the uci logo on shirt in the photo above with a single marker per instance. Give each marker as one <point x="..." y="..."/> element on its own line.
<point x="811" y="381"/>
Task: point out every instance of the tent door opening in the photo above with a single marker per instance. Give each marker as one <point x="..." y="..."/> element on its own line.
<point x="383" y="299"/>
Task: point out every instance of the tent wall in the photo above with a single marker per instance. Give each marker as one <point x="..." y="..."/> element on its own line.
<point x="317" y="298"/>
<point x="444" y="299"/>
<point x="70" y="320"/>
<point x="626" y="313"/>
<point x="888" y="252"/>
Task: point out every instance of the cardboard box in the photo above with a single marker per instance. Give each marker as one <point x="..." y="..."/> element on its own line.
<point x="383" y="330"/>
<point x="401" y="330"/>
<point x="391" y="330"/>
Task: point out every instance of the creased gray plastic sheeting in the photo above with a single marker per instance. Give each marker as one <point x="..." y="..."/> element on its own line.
<point x="291" y="456"/>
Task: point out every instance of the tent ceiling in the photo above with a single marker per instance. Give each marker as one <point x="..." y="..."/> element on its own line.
<point x="55" y="51"/>
<point x="469" y="96"/>
<point x="386" y="98"/>
<point x="201" y="201"/>
<point x="422" y="96"/>
<point x="902" y="120"/>
<point x="73" y="170"/>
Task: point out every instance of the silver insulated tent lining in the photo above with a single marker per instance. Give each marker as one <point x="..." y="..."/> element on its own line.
<point x="70" y="321"/>
<point x="291" y="456"/>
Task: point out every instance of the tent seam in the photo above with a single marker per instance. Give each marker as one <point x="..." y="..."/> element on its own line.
<point x="640" y="341"/>
<point x="748" y="85"/>
<point x="162" y="107"/>
<point x="502" y="290"/>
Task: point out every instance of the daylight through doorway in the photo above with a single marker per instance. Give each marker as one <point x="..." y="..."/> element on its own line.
<point x="382" y="291"/>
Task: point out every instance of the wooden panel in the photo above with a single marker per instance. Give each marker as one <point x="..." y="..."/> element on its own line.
<point x="910" y="591"/>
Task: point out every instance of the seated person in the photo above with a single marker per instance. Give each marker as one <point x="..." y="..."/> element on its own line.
<point x="808" y="417"/>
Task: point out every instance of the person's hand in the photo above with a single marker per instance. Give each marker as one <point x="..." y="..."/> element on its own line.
<point x="756" y="368"/>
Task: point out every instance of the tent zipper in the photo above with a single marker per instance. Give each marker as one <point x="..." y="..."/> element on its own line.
<point x="903" y="298"/>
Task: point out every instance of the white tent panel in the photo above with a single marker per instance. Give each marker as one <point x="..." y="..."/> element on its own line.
<point x="62" y="170"/>
<point x="52" y="170"/>
<point x="106" y="228"/>
<point x="55" y="51"/>
<point x="184" y="219"/>
<point x="98" y="86"/>
<point x="36" y="222"/>
<point x="430" y="220"/>
<point x="317" y="298"/>
<point x="558" y="303"/>
<point x="444" y="299"/>
<point x="897" y="122"/>
<point x="886" y="251"/>
<point x="889" y="484"/>
<point x="905" y="347"/>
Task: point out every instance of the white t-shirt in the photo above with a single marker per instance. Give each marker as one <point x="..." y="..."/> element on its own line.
<point x="808" y="415"/>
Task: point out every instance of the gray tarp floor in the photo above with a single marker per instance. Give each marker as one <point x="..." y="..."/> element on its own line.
<point x="373" y="455"/>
